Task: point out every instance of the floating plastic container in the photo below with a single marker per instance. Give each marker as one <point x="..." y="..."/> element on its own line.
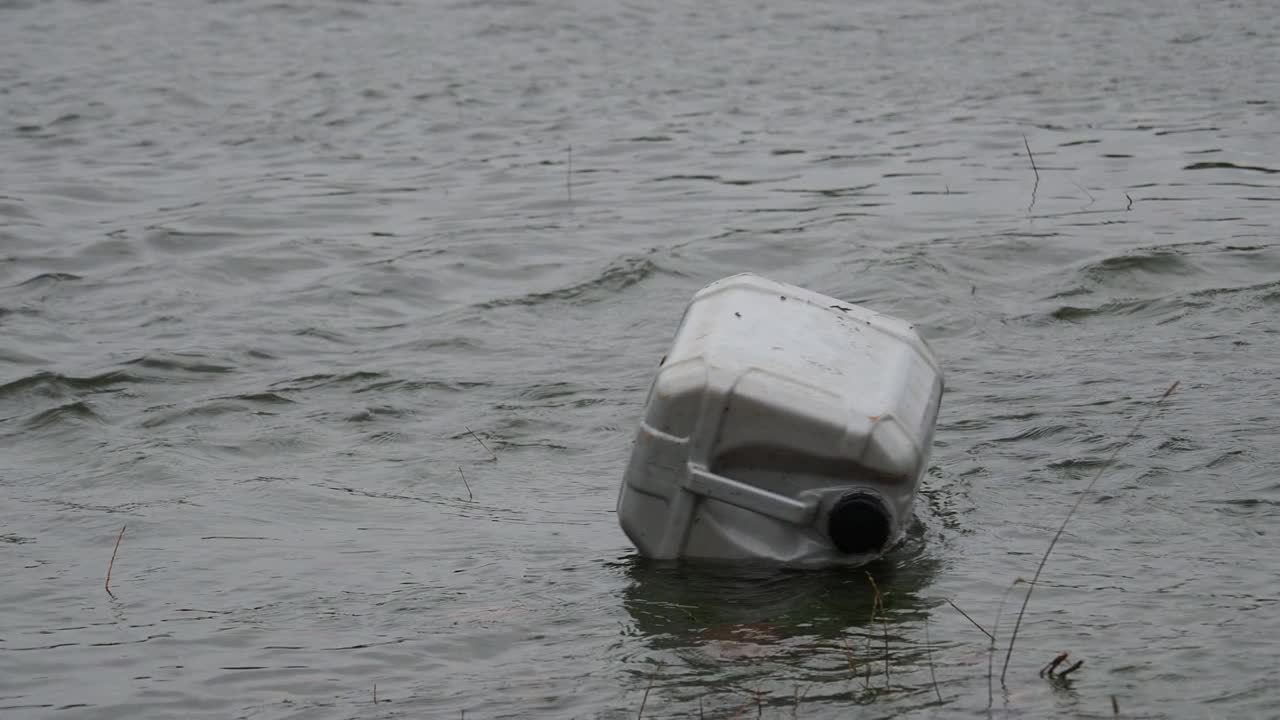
<point x="783" y="426"/>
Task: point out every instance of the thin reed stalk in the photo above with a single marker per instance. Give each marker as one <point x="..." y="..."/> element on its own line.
<point x="991" y="650"/>
<point x="970" y="619"/>
<point x="1031" y="156"/>
<point x="848" y="654"/>
<point x="1035" y="188"/>
<point x="477" y="437"/>
<point x="470" y="497"/>
<point x="111" y="564"/>
<point x="1076" y="506"/>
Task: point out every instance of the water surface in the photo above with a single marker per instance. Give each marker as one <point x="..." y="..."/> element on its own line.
<point x="268" y="271"/>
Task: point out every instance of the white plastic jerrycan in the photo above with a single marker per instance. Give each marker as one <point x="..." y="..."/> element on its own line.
<point x="783" y="426"/>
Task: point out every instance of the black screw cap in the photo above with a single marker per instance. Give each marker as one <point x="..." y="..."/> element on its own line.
<point x="859" y="523"/>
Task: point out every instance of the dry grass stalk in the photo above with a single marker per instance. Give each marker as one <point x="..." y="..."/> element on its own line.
<point x="107" y="583"/>
<point x="1073" y="668"/>
<point x="848" y="654"/>
<point x="470" y="497"/>
<point x="795" y="709"/>
<point x="1031" y="157"/>
<point x="871" y="623"/>
<point x="375" y="693"/>
<point x="1035" y="188"/>
<point x="1115" y="706"/>
<point x="568" y="174"/>
<point x="1054" y="663"/>
<point x="477" y="437"/>
<point x="1056" y="536"/>
<point x="966" y="617"/>
<point x="1084" y="190"/>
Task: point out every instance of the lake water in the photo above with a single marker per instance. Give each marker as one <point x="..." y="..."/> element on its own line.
<point x="271" y="272"/>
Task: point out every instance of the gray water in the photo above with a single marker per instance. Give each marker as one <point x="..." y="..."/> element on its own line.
<point x="266" y="267"/>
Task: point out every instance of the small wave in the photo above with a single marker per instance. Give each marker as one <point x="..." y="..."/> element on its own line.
<point x="1162" y="309"/>
<point x="456" y="504"/>
<point x="72" y="411"/>
<point x="1227" y="458"/>
<point x="1034" y="433"/>
<point x="208" y="409"/>
<point x="171" y="240"/>
<point x="182" y="363"/>
<point x="1229" y="166"/>
<point x="246" y="404"/>
<point x="415" y="385"/>
<point x="1074" y="313"/>
<point x="549" y="391"/>
<point x="309" y="382"/>
<point x="51" y="384"/>
<point x="721" y="180"/>
<point x="852" y="191"/>
<point x="371" y="414"/>
<point x="1265" y="289"/>
<point x="1248" y="502"/>
<point x="269" y="398"/>
<point x="50" y="278"/>
<point x="1158" y="263"/>
<point x="615" y="278"/>
<point x="315" y="332"/>
<point x="670" y="178"/>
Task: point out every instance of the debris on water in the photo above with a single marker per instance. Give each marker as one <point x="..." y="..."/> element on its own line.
<point x="1047" y="670"/>
<point x="1054" y="663"/>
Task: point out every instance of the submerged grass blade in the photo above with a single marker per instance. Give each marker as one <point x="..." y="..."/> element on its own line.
<point x="644" y="700"/>
<point x="879" y="602"/>
<point x="1035" y="188"/>
<point x="928" y="649"/>
<point x="477" y="437"/>
<point x="991" y="650"/>
<point x="466" y="484"/>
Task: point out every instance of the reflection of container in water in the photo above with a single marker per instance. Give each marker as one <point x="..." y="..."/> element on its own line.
<point x="783" y="426"/>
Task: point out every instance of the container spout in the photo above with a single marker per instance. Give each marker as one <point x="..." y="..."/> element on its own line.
<point x="858" y="524"/>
